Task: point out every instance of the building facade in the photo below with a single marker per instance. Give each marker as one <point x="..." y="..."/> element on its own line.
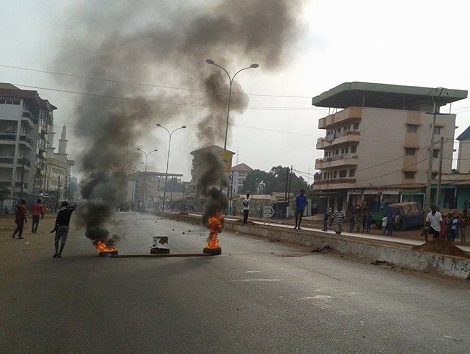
<point x="377" y="143"/>
<point x="238" y="176"/>
<point x="146" y="190"/>
<point x="29" y="168"/>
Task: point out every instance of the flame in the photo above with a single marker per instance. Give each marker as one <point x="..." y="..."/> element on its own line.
<point x="102" y="248"/>
<point x="216" y="224"/>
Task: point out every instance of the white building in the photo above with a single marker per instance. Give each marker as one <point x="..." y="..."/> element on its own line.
<point x="377" y="142"/>
<point x="29" y="168"/>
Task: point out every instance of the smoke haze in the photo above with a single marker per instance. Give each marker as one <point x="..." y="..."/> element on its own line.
<point x="162" y="43"/>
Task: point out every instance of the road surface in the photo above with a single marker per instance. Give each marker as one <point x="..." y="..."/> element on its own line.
<point x="256" y="297"/>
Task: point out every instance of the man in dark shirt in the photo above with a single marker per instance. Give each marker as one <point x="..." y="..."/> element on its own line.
<point x="62" y="228"/>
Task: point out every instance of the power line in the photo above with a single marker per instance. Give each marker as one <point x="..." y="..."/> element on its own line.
<point x="135" y="83"/>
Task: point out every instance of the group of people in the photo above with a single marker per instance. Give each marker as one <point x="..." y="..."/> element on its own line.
<point x="61" y="227"/>
<point x="449" y="227"/>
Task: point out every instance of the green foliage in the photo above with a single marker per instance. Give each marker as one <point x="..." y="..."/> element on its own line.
<point x="274" y="181"/>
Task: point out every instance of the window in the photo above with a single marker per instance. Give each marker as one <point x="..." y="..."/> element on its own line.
<point x="410" y="151"/>
<point x="437" y="130"/>
<point x="342" y="173"/>
<point x="434" y="176"/>
<point x="435" y="153"/>
<point x="352" y="172"/>
<point x="409" y="175"/>
<point x="411" y="128"/>
<point x="353" y="149"/>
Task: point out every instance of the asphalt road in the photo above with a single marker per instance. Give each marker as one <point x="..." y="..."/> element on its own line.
<point x="256" y="297"/>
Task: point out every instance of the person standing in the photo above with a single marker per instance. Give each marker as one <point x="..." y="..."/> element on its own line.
<point x="433" y="223"/>
<point x="384" y="224"/>
<point x="463" y="225"/>
<point x="369" y="220"/>
<point x="20" y="219"/>
<point x="338" y="220"/>
<point x="246" y="208"/>
<point x="326" y="218"/>
<point x="61" y="228"/>
<point x="38" y="211"/>
<point x="300" y="203"/>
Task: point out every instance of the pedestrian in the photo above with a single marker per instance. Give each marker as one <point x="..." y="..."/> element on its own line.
<point x="359" y="222"/>
<point x="352" y="220"/>
<point x="38" y="211"/>
<point x="300" y="203"/>
<point x="448" y="227"/>
<point x="390" y="222"/>
<point x="20" y="219"/>
<point x="397" y="222"/>
<point x="384" y="224"/>
<point x="433" y="224"/>
<point x="369" y="220"/>
<point x="326" y="218"/>
<point x="463" y="225"/>
<point x="338" y="220"/>
<point x="61" y="228"/>
<point x="246" y="208"/>
<point x="455" y="228"/>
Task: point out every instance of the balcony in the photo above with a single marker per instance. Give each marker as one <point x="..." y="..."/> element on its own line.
<point x="27" y="117"/>
<point x="335" y="161"/>
<point x="26" y="140"/>
<point x="352" y="114"/>
<point x="7" y="161"/>
<point x="343" y="138"/>
<point x="335" y="183"/>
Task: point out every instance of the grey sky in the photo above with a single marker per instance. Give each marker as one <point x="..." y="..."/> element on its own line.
<point x="418" y="43"/>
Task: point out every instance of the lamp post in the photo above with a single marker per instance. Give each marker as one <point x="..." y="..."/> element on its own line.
<point x="431" y="150"/>
<point x="231" y="78"/>
<point x="170" y="134"/>
<point x="145" y="173"/>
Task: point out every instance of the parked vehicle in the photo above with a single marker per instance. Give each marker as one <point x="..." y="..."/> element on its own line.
<point x="411" y="214"/>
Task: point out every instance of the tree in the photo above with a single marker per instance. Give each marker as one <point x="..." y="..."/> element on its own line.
<point x="274" y="180"/>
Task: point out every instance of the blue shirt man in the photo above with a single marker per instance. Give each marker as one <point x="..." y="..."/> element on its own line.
<point x="300" y="203"/>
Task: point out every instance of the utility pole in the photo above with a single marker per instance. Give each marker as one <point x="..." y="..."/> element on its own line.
<point x="427" y="201"/>
<point x="439" y="176"/>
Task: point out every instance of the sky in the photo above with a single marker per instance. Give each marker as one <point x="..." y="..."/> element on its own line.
<point x="412" y="42"/>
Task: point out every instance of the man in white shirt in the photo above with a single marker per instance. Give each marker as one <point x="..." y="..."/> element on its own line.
<point x="433" y="224"/>
<point x="246" y="208"/>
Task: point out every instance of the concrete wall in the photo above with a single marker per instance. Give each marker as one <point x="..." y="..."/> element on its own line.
<point x="397" y="254"/>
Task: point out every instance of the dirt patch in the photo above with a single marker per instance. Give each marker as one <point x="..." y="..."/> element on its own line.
<point x="442" y="247"/>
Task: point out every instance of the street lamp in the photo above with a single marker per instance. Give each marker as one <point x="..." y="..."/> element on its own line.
<point x="146" y="156"/>
<point x="168" y="159"/>
<point x="231" y="78"/>
<point x="431" y="149"/>
<point x="145" y="173"/>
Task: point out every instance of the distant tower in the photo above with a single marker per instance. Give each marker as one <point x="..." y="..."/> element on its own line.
<point x="63" y="142"/>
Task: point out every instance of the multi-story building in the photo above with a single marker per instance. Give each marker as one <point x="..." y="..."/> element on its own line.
<point x="377" y="144"/>
<point x="146" y="190"/>
<point x="29" y="166"/>
<point x="239" y="173"/>
<point x="25" y="121"/>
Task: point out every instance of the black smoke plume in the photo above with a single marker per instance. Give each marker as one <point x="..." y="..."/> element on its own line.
<point x="128" y="53"/>
<point x="209" y="185"/>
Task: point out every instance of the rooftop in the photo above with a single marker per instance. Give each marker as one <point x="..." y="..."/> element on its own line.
<point x="366" y="94"/>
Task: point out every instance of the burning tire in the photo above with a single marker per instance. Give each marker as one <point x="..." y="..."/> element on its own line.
<point x="106" y="254"/>
<point x="214" y="251"/>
